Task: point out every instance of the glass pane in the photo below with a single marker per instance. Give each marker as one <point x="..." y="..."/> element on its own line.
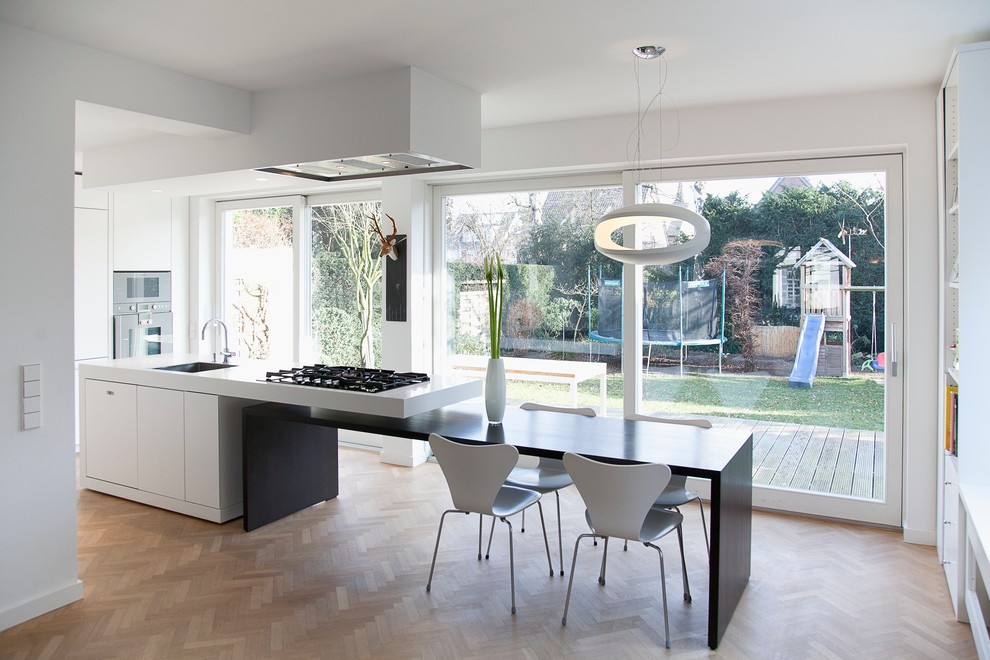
<point x="346" y="284"/>
<point x="544" y="239"/>
<point x="258" y="288"/>
<point x="778" y="325"/>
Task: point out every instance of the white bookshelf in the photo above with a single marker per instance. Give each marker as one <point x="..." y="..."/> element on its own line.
<point x="963" y="105"/>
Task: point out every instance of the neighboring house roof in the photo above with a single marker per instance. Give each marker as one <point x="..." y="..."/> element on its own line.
<point x="790" y="258"/>
<point x="824" y="250"/>
<point x="785" y="182"/>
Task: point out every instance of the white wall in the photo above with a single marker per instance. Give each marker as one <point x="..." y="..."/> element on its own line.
<point x="41" y="79"/>
<point x="902" y="121"/>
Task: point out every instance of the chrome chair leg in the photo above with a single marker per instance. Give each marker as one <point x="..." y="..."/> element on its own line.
<point x="663" y="592"/>
<point x="570" y="581"/>
<point x="436" y="547"/>
<point x="481" y="521"/>
<point x="704" y="527"/>
<point x="512" y="567"/>
<point x="546" y="541"/>
<point x="560" y="536"/>
<point x="601" y="574"/>
<point x="491" y="533"/>
<point x="680" y="543"/>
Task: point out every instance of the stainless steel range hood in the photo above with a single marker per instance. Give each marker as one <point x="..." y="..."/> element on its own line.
<point x="365" y="167"/>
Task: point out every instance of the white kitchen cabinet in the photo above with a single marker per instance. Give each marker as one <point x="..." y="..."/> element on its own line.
<point x="173" y="449"/>
<point x="111" y="432"/>
<point x="142" y="232"/>
<point x="160" y="442"/>
<point x="202" y="451"/>
<point x="92" y="284"/>
<point x="213" y="451"/>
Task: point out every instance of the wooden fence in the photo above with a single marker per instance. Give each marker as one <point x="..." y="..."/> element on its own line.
<point x="776" y="340"/>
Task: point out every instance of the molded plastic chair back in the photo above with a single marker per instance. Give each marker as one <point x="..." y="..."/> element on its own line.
<point x="474" y="473"/>
<point x="676" y="494"/>
<point x="700" y="423"/>
<point x="618" y="497"/>
<point x="550" y="463"/>
<point x="587" y="412"/>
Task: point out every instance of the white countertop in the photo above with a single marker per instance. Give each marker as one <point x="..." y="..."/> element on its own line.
<point x="246" y="380"/>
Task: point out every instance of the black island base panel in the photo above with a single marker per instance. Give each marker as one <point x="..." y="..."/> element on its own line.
<point x="288" y="466"/>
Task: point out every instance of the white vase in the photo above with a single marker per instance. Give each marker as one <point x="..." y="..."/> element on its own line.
<point x="495" y="391"/>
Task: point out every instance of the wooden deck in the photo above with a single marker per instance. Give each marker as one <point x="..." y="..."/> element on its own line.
<point x="817" y="459"/>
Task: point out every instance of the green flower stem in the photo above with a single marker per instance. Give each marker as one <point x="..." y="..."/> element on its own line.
<point x="494" y="280"/>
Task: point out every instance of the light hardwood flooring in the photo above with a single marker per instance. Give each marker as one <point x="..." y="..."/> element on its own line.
<point x="346" y="578"/>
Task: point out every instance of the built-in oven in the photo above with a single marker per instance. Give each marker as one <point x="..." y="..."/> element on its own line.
<point x="142" y="313"/>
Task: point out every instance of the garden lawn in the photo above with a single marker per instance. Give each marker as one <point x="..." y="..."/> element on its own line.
<point x="851" y="403"/>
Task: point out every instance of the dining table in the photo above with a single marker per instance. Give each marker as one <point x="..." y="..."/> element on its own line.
<point x="290" y="463"/>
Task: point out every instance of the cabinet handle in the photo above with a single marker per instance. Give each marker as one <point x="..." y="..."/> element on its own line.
<point x="110" y="392"/>
<point x="948" y="483"/>
<point x="946" y="562"/>
<point x="946" y="522"/>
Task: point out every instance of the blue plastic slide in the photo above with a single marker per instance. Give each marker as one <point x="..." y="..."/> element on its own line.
<point x="806" y="360"/>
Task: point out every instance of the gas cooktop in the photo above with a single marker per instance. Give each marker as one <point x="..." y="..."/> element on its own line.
<point x="357" y="379"/>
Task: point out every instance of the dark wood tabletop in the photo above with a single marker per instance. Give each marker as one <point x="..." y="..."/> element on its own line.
<point x="687" y="449"/>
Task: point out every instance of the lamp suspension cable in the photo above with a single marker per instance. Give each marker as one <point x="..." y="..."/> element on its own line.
<point x="643" y="213"/>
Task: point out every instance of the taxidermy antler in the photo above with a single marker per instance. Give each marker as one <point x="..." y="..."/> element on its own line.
<point x="388" y="243"/>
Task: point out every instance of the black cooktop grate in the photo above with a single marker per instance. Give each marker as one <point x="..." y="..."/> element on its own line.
<point x="358" y="379"/>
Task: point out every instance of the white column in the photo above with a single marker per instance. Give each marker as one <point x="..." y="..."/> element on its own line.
<point x="407" y="345"/>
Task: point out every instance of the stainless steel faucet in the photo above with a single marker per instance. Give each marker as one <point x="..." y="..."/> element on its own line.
<point x="226" y="352"/>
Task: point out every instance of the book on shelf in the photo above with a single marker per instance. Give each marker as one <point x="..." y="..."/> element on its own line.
<point x="952" y="419"/>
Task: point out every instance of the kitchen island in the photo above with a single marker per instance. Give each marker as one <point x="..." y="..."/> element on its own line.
<point x="172" y="438"/>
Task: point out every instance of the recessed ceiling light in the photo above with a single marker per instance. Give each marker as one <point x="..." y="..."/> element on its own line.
<point x="261" y="178"/>
<point x="157" y="190"/>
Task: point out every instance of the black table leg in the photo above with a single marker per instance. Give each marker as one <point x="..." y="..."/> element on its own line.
<point x="288" y="466"/>
<point x="731" y="541"/>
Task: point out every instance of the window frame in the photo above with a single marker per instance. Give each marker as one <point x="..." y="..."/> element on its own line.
<point x="481" y="187"/>
<point x="302" y="331"/>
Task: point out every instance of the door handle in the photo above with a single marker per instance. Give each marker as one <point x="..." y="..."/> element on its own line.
<point x="893" y="349"/>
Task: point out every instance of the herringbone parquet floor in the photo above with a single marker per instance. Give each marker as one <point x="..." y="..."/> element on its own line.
<point x="345" y="579"/>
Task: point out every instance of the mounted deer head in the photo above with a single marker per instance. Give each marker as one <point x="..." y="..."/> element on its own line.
<point x="388" y="243"/>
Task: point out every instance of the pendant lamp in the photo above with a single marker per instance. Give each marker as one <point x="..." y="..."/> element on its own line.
<point x="643" y="214"/>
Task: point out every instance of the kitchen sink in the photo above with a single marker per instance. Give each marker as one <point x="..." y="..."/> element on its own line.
<point x="196" y="367"/>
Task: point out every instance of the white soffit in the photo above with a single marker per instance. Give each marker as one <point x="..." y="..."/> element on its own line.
<point x="401" y="122"/>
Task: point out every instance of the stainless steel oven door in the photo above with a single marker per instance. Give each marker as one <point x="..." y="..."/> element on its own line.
<point x="136" y="335"/>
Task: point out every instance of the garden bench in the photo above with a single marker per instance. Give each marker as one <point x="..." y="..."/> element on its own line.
<point x="545" y="371"/>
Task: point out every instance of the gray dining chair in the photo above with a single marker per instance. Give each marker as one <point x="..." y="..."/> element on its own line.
<point x="676" y="493"/>
<point x="475" y="476"/>
<point x="619" y="500"/>
<point x="544" y="475"/>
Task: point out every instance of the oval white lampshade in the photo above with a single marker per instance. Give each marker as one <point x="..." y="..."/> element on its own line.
<point x="649" y="213"/>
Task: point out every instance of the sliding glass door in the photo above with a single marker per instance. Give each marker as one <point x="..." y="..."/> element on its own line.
<point x="786" y="325"/>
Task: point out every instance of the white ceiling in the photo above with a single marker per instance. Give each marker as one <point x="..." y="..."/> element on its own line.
<point x="531" y="60"/>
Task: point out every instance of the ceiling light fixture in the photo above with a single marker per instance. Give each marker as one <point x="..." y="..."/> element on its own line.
<point x="649" y="52"/>
<point x="644" y="214"/>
